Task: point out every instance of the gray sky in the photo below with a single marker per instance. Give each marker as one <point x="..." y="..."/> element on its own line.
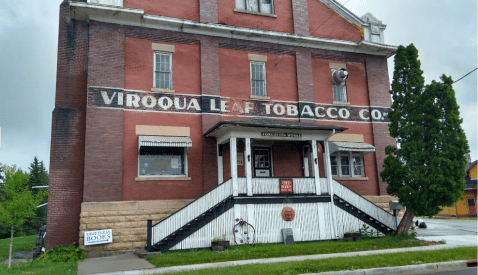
<point x="444" y="31"/>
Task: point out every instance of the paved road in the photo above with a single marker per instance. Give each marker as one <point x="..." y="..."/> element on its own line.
<point x="466" y="271"/>
<point x="457" y="232"/>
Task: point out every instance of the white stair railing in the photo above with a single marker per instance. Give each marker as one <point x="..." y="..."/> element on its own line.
<point x="191" y="211"/>
<point x="364" y="205"/>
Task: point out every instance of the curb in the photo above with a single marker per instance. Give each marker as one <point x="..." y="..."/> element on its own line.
<point x="433" y="267"/>
<point x="164" y="270"/>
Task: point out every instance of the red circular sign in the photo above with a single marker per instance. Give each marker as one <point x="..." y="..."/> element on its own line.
<point x="288" y="213"/>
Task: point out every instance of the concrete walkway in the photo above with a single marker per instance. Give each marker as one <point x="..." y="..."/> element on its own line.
<point x="130" y="264"/>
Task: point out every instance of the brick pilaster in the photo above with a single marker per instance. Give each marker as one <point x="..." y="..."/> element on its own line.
<point x="68" y="132"/>
<point x="305" y="80"/>
<point x="378" y="87"/>
<point x="208" y="11"/>
<point x="210" y="85"/>
<point x="104" y="127"/>
<point x="300" y="15"/>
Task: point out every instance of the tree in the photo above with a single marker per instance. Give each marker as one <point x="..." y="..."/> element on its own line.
<point x="38" y="177"/>
<point x="427" y="169"/>
<point x="18" y="202"/>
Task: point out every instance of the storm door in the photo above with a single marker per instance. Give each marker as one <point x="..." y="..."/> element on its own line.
<point x="262" y="162"/>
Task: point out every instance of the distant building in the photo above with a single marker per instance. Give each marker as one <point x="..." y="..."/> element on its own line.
<point x="465" y="207"/>
<point x="156" y="99"/>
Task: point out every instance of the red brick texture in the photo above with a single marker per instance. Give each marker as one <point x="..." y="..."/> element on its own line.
<point x="301" y="17"/>
<point x="305" y="79"/>
<point x="282" y="23"/>
<point x="378" y="86"/>
<point x="327" y="23"/>
<point x="68" y="131"/>
<point x="208" y="11"/>
<point x="183" y="9"/>
<point x="104" y="127"/>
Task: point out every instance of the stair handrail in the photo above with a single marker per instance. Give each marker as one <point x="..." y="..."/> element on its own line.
<point x="178" y="219"/>
<point x="358" y="201"/>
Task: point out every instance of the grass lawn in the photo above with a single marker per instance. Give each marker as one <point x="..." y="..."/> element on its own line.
<point x="40" y="268"/>
<point x="25" y="243"/>
<point x="350" y="263"/>
<point x="258" y="251"/>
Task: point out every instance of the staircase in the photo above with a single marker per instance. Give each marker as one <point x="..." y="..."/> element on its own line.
<point x="171" y="231"/>
<point x="194" y="225"/>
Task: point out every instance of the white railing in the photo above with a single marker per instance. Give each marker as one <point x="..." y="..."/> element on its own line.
<point x="263" y="186"/>
<point x="324" y="186"/>
<point x="190" y="212"/>
<point x="364" y="205"/>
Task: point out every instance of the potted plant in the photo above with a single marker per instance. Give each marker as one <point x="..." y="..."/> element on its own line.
<point x="219" y="243"/>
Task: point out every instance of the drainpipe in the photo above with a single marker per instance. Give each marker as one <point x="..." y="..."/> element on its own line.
<point x="329" y="181"/>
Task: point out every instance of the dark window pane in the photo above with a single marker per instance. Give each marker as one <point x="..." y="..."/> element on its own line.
<point x="155" y="161"/>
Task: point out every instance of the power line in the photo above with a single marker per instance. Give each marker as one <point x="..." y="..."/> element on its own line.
<point x="464" y="76"/>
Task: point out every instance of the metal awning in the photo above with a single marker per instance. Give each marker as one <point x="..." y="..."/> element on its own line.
<point x="351" y="147"/>
<point x="165" y="141"/>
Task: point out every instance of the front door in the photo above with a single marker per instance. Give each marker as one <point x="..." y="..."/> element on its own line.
<point x="262" y="162"/>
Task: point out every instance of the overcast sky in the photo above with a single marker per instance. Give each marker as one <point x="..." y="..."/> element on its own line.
<point x="444" y="31"/>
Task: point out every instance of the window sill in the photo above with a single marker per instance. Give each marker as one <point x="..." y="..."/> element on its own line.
<point x="163" y="91"/>
<point x="340" y="103"/>
<point x="349" y="178"/>
<point x="260" y="97"/>
<point x="256" y="13"/>
<point x="161" y="178"/>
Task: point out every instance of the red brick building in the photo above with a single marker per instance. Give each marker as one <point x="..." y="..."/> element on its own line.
<point x="152" y="96"/>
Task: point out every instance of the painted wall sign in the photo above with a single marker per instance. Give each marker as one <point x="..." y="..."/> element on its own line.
<point x="196" y="104"/>
<point x="284" y="135"/>
<point x="286" y="186"/>
<point x="288" y="213"/>
<point x="98" y="237"/>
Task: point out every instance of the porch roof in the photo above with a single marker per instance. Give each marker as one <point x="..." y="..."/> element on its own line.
<point x="273" y="123"/>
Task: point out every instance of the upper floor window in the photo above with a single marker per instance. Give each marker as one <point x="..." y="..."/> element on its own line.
<point x="259" y="6"/>
<point x="163" y="70"/>
<point x="258" y="78"/>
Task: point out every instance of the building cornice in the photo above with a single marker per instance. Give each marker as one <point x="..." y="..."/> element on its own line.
<point x="137" y="17"/>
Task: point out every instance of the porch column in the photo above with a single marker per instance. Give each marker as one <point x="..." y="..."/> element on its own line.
<point x="233" y="153"/>
<point x="315" y="166"/>
<point x="248" y="160"/>
<point x="220" y="168"/>
<point x="328" y="172"/>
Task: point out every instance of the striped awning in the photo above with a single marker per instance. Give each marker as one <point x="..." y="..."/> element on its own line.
<point x="350" y="147"/>
<point x="165" y="141"/>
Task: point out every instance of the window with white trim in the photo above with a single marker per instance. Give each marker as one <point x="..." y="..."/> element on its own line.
<point x="339" y="77"/>
<point x="259" y="6"/>
<point x="162" y="161"/>
<point x="347" y="164"/>
<point x="258" y="78"/>
<point x="163" y="70"/>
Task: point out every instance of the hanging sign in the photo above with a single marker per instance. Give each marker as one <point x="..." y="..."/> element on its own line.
<point x="240" y="158"/>
<point x="98" y="237"/>
<point x="286" y="186"/>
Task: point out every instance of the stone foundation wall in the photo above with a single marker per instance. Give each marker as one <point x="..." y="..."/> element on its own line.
<point x="127" y="219"/>
<point x="382" y="201"/>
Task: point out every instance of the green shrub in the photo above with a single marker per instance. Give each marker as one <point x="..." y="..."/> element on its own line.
<point x="62" y="254"/>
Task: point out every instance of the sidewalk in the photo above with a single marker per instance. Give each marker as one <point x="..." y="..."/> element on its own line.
<point x="130" y="264"/>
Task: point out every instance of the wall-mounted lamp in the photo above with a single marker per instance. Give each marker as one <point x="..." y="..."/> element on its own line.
<point x="249" y="158"/>
<point x="316" y="161"/>
<point x="339" y="76"/>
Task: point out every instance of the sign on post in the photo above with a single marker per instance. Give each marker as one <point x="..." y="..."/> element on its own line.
<point x="286" y="186"/>
<point x="98" y="237"/>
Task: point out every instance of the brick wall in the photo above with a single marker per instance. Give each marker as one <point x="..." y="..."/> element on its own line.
<point x="378" y="87"/>
<point x="127" y="219"/>
<point x="104" y="127"/>
<point x="68" y="131"/>
<point x="301" y="17"/>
